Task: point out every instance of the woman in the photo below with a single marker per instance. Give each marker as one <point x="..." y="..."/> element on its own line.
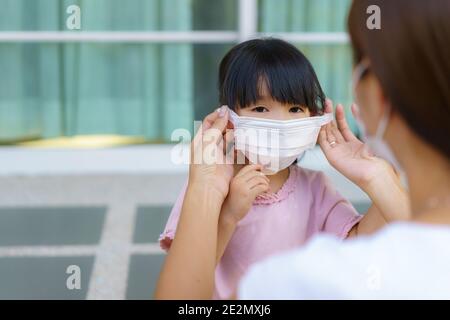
<point x="402" y="89"/>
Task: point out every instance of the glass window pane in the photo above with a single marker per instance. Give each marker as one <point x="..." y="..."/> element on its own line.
<point x="144" y="90"/>
<point x="333" y="66"/>
<point x="302" y="15"/>
<point x="207" y="58"/>
<point x="119" y="15"/>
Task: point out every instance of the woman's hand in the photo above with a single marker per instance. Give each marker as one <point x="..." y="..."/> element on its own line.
<point x="211" y="165"/>
<point x="188" y="271"/>
<point x="348" y="154"/>
<point x="375" y="176"/>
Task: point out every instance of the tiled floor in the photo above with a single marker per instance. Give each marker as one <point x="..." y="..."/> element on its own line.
<point x="42" y="277"/>
<point x="106" y="225"/>
<point x="140" y="284"/>
<point x="51" y="226"/>
<point x="150" y="222"/>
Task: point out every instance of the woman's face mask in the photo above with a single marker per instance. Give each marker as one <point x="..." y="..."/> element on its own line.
<point x="275" y="144"/>
<point x="375" y="142"/>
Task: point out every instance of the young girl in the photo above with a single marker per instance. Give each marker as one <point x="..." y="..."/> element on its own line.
<point x="263" y="215"/>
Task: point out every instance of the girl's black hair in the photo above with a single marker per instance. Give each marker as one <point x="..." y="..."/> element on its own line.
<point x="280" y="66"/>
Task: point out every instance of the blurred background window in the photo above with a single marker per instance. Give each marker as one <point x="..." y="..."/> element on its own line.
<point x="158" y="73"/>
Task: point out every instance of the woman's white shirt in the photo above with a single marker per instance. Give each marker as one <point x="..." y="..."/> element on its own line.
<point x="401" y="261"/>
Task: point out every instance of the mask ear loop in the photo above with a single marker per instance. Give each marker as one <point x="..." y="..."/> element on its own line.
<point x="381" y="129"/>
<point x="358" y="73"/>
<point x="357" y="76"/>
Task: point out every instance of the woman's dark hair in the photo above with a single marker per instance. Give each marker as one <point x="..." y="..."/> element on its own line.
<point x="281" y="67"/>
<point x="410" y="56"/>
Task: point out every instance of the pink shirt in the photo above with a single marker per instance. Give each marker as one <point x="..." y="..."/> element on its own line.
<point x="305" y="205"/>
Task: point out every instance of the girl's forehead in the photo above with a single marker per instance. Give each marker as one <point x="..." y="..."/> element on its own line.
<point x="268" y="100"/>
<point x="271" y="102"/>
<point x="264" y="95"/>
<point x="264" y="92"/>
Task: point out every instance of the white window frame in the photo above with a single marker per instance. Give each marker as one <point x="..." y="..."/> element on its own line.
<point x="246" y="29"/>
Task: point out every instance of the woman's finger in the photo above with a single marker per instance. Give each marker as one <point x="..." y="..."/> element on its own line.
<point x="209" y="119"/>
<point x="214" y="134"/>
<point x="196" y="147"/>
<point x="213" y="116"/>
<point x="226" y="145"/>
<point x="355" y="110"/>
<point x="229" y="146"/>
<point x="323" y="141"/>
<point x="333" y="133"/>
<point x="210" y="131"/>
<point x="206" y="124"/>
<point x="328" y="106"/>
<point x="221" y="121"/>
<point x="342" y="124"/>
<point x="331" y="138"/>
<point x="336" y="133"/>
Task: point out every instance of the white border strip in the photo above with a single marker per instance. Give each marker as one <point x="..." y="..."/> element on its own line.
<point x="311" y="37"/>
<point x="144" y="159"/>
<point x="48" y="251"/>
<point x="121" y="37"/>
<point x="171" y="37"/>
<point x="113" y="259"/>
<point x="146" y="248"/>
<point x="74" y="250"/>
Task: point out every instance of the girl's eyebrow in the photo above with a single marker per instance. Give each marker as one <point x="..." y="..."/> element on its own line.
<point x="260" y="103"/>
<point x="296" y="105"/>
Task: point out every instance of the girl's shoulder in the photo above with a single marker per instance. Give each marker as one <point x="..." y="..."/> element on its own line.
<point x="308" y="177"/>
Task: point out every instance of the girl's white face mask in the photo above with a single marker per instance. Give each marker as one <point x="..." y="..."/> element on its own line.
<point x="275" y="144"/>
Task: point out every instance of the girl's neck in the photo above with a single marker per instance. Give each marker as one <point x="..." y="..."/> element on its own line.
<point x="278" y="179"/>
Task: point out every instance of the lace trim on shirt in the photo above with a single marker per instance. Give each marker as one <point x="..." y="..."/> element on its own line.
<point x="285" y="190"/>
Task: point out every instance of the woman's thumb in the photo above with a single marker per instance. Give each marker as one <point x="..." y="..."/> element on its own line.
<point x="221" y="122"/>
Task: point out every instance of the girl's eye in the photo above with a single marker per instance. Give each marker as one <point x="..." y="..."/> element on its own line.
<point x="296" y="109"/>
<point x="260" y="109"/>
